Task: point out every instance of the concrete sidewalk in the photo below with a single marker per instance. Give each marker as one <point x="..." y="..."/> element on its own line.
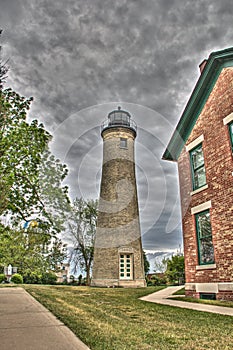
<point x="27" y="325"/>
<point x="161" y="296"/>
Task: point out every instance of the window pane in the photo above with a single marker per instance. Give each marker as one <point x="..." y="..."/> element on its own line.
<point x="206" y="251"/>
<point x="197" y="157"/>
<point x="198" y="167"/>
<point x="123" y="143"/>
<point x="204" y="225"/>
<point x="199" y="177"/>
<point x="204" y="236"/>
<point x="231" y="134"/>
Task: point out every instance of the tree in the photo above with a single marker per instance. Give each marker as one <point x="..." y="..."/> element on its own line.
<point x="3" y="67"/>
<point x="175" y="270"/>
<point x="32" y="251"/>
<point x="160" y="265"/>
<point x="30" y="187"/>
<point x="21" y="148"/>
<point x="82" y="229"/>
<point x="146" y="263"/>
<point x="31" y="176"/>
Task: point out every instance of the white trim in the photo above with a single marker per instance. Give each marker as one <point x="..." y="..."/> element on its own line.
<point x="206" y="267"/>
<point x="225" y="287"/>
<point x="194" y="143"/>
<point x="207" y="287"/>
<point x="210" y="287"/>
<point x="199" y="190"/>
<point x="201" y="207"/>
<point x="228" y="119"/>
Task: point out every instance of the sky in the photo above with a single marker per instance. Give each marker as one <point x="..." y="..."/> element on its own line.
<point x="81" y="59"/>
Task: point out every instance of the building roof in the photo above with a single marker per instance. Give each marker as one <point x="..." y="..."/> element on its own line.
<point x="211" y="71"/>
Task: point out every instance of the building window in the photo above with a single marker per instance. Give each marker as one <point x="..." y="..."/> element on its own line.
<point x="208" y="296"/>
<point x="204" y="238"/>
<point x="231" y="134"/>
<point x="123" y="143"/>
<point x="126" y="266"/>
<point x="198" y="167"/>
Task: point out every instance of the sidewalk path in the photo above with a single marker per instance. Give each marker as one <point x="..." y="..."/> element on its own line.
<point x="161" y="296"/>
<point x="27" y="325"/>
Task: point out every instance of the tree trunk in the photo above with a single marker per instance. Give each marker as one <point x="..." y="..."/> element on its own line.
<point x="88" y="275"/>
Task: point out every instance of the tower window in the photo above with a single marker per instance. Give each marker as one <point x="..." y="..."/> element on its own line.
<point x="123" y="143"/>
<point x="204" y="238"/>
<point x="198" y="167"/>
<point x="126" y="266"/>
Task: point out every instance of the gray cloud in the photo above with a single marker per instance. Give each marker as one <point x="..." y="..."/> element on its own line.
<point x="81" y="58"/>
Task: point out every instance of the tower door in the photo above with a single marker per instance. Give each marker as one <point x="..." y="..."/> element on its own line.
<point x="126" y="266"/>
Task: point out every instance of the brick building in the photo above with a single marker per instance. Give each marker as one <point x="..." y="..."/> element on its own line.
<point x="202" y="145"/>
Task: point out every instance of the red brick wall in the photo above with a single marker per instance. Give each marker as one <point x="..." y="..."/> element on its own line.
<point x="219" y="168"/>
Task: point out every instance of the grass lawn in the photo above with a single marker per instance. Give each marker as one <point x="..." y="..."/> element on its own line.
<point x="115" y="319"/>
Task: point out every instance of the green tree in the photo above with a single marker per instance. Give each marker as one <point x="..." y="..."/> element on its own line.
<point x="175" y="270"/>
<point x="146" y="263"/>
<point x="3" y="67"/>
<point x="21" y="148"/>
<point x="31" y="177"/>
<point x="32" y="251"/>
<point x="82" y="229"/>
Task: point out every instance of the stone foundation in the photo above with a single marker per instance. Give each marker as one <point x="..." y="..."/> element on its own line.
<point x="223" y="291"/>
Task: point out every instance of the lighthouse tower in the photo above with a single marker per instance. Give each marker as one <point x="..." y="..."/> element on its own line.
<point x="118" y="256"/>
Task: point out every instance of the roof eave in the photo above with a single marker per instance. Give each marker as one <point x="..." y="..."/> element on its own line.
<point x="215" y="63"/>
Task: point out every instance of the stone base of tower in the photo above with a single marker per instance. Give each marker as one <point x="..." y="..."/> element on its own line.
<point x="111" y="283"/>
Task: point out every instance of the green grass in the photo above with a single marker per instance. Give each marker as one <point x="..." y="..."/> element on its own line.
<point x="115" y="319"/>
<point x="200" y="301"/>
<point x="204" y="301"/>
<point x="180" y="292"/>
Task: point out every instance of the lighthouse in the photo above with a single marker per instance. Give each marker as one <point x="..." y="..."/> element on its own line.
<point x="118" y="256"/>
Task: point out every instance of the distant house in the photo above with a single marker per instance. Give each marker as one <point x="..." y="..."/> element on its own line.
<point x="202" y="145"/>
<point x="63" y="275"/>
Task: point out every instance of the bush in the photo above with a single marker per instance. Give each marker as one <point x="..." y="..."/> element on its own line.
<point x="149" y="283"/>
<point x="17" y="278"/>
<point x="32" y="278"/>
<point x="48" y="278"/>
<point x="2" y="277"/>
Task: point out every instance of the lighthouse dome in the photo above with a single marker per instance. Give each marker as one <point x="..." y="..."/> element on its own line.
<point x="119" y="118"/>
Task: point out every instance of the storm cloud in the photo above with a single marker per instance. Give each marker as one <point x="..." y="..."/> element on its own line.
<point x="80" y="59"/>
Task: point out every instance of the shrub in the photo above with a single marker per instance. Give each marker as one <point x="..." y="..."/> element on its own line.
<point x="48" y="278"/>
<point x="17" y="278"/>
<point x="2" y="277"/>
<point x="149" y="283"/>
<point x="32" y="278"/>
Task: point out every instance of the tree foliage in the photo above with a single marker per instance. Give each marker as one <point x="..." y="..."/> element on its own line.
<point x="30" y="176"/>
<point x="30" y="188"/>
<point x="21" y="148"/>
<point x="3" y="67"/>
<point x="175" y="270"/>
<point x="82" y="229"/>
<point x="146" y="263"/>
<point x="31" y="251"/>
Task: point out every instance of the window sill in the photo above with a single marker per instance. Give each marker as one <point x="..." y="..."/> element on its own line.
<point x="206" y="267"/>
<point x="199" y="190"/>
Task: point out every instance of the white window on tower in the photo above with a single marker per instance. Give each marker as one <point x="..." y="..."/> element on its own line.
<point x="126" y="266"/>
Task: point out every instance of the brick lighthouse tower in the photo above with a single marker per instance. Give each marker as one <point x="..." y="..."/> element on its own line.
<point x="118" y="256"/>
